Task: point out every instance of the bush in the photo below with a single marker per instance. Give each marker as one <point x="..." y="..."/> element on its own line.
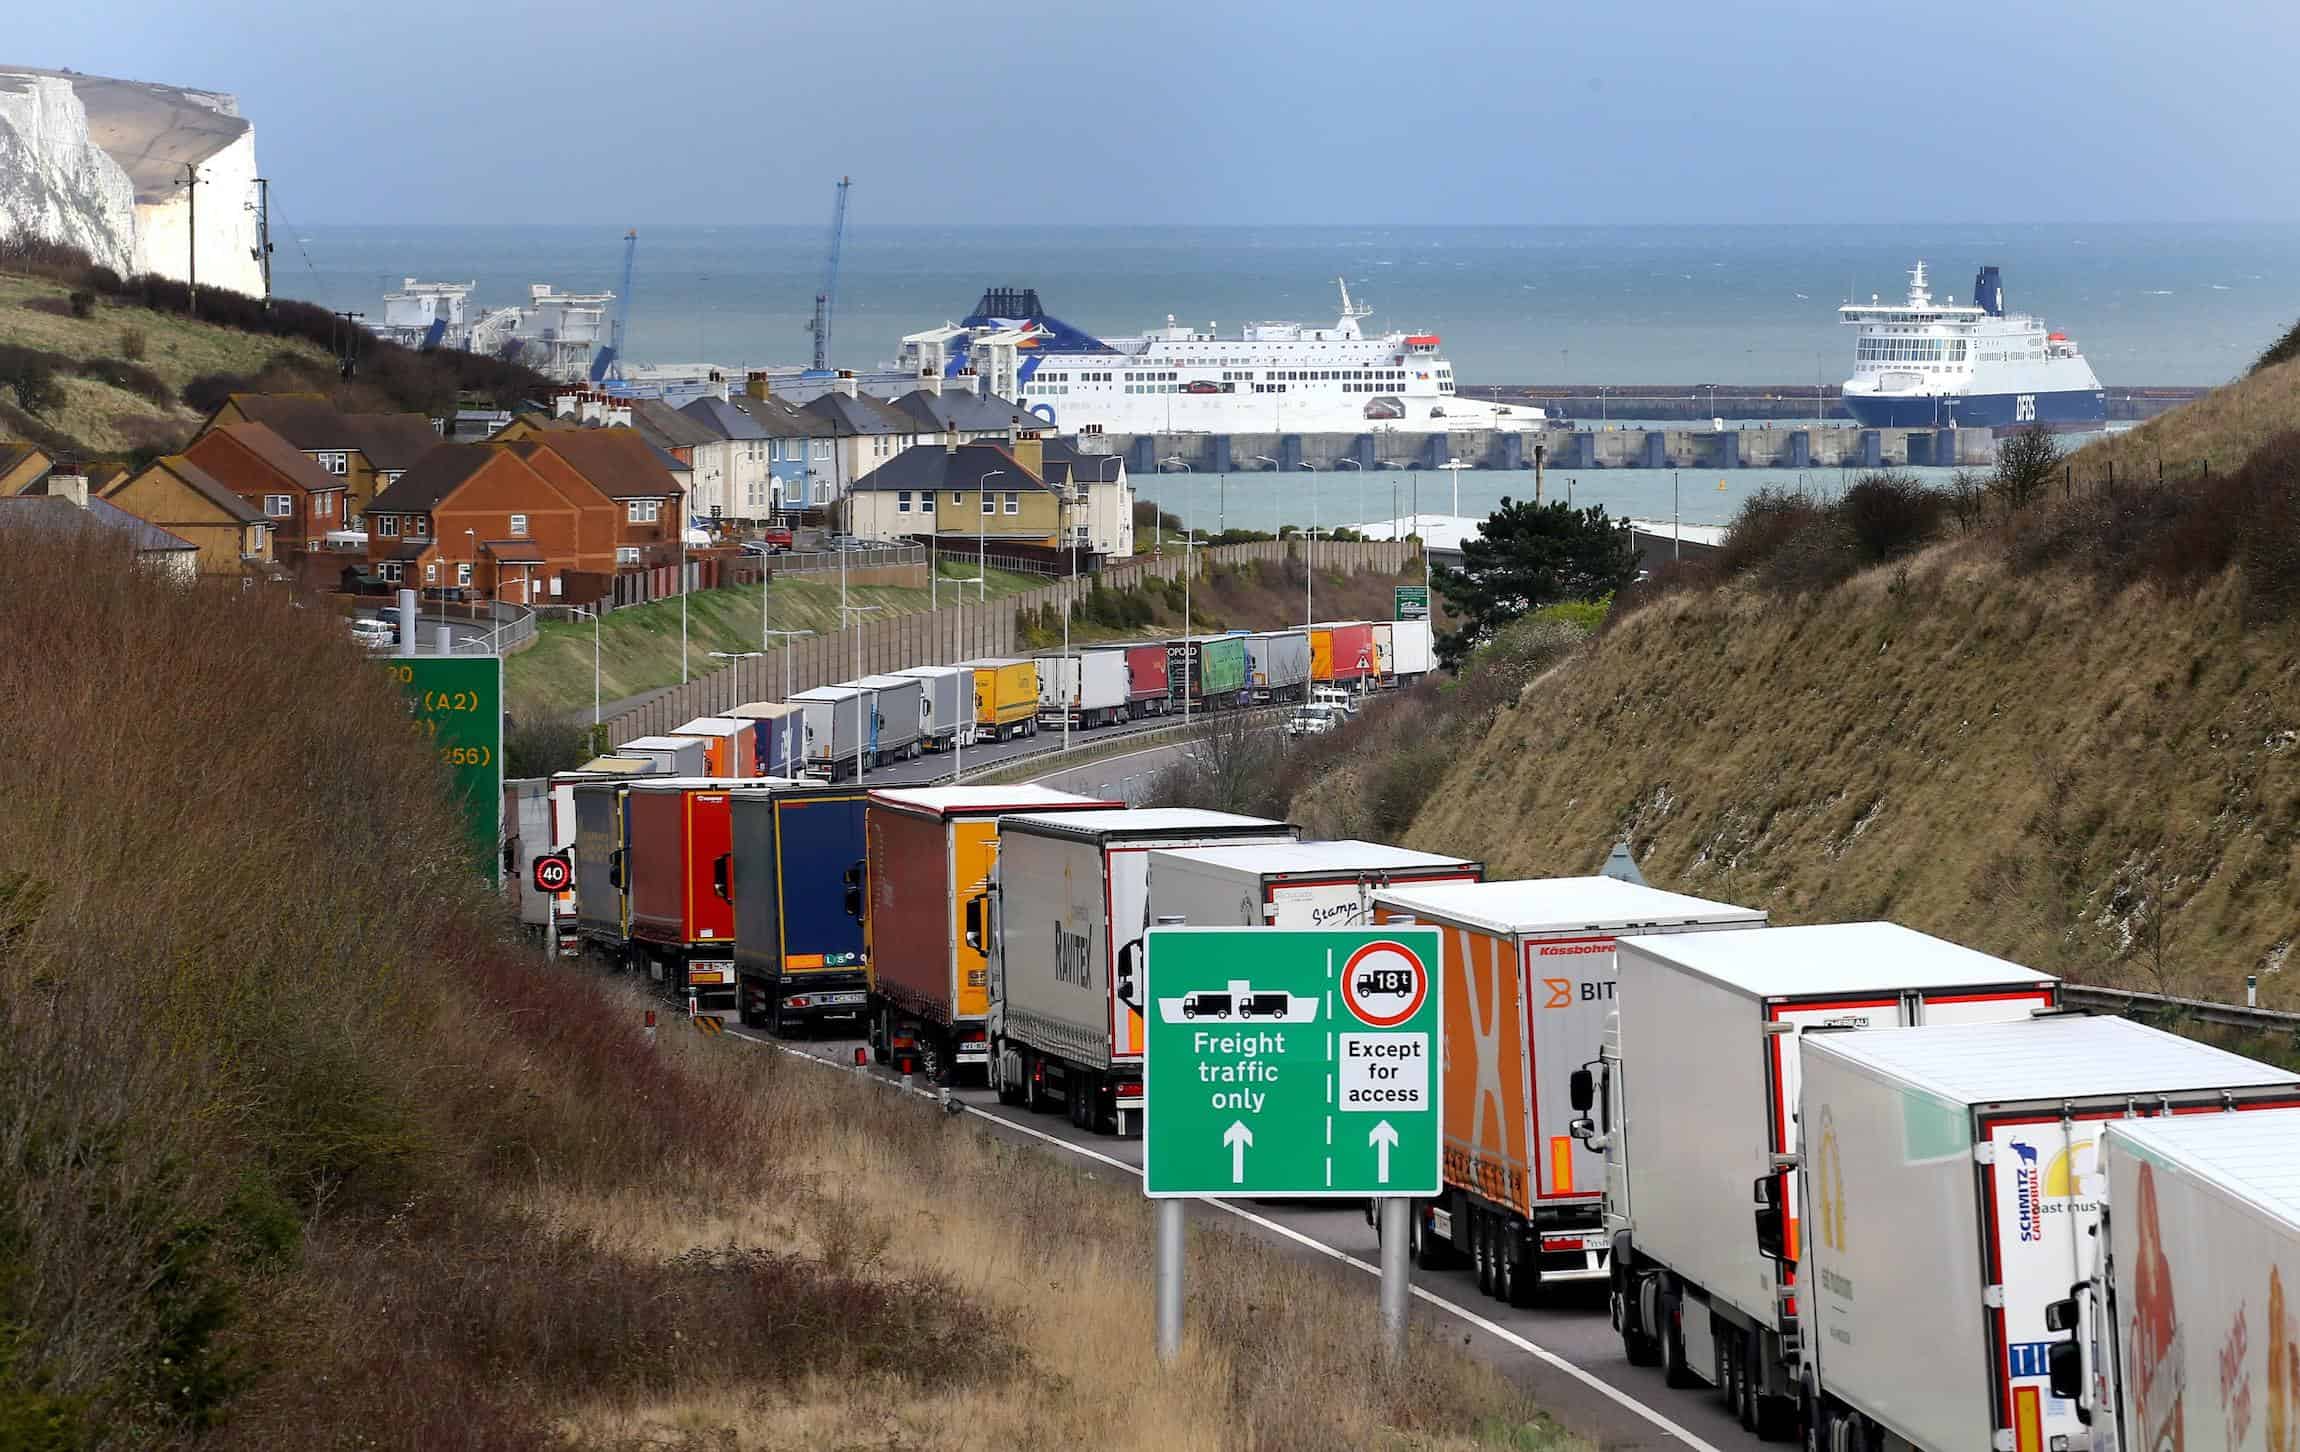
<point x="133" y="342"/>
<point x="206" y="393"/>
<point x="130" y="377"/>
<point x="1890" y="515"/>
<point x="545" y="744"/>
<point x="1766" y="522"/>
<point x="2282" y="350"/>
<point x="83" y="304"/>
<point x="32" y="379"/>
<point x="2026" y="464"/>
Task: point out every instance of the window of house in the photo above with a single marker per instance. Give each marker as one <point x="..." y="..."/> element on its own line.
<point x="1013" y="503"/>
<point x="463" y="573"/>
<point x="323" y="505"/>
<point x="626" y="555"/>
<point x="418" y="526"/>
<point x="902" y="501"/>
<point x="279" y="506"/>
<point x="822" y="448"/>
<point x="431" y="572"/>
<point x="389" y="571"/>
<point x="518" y="526"/>
<point x="558" y="585"/>
<point x="387" y="525"/>
<point x="989" y="502"/>
<point x="335" y="461"/>
<point x="646" y="511"/>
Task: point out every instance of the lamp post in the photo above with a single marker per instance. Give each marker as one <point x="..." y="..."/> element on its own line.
<point x="1189" y="541"/>
<point x="844" y="611"/>
<point x="1175" y="461"/>
<point x="680" y="523"/>
<point x="473" y="534"/>
<point x="1454" y="467"/>
<point x="1310" y="549"/>
<point x="1354" y="464"/>
<point x="593" y="611"/>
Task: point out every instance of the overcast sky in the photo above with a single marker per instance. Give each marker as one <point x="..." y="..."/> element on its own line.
<point x="1262" y="111"/>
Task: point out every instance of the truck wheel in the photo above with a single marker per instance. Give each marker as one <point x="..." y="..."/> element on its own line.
<point x="1630" y="1298"/>
<point x="935" y="1060"/>
<point x="775" y="1023"/>
<point x="881" y="1041"/>
<point x="1733" y="1377"/>
<point x="1429" y="1251"/>
<point x="1816" y="1419"/>
<point x="1033" y="1084"/>
<point x="1524" y="1273"/>
<point x="1481" y="1249"/>
<point x="1499" y="1238"/>
<point x="1774" y="1419"/>
<point x="1674" y="1371"/>
<point x="1003" y="1078"/>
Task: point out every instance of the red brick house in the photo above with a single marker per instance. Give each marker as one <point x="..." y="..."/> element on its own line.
<point x="300" y="501"/>
<point x="625" y="468"/>
<point x="480" y="521"/>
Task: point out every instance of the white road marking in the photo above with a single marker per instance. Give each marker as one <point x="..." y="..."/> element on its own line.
<point x="1421" y="1293"/>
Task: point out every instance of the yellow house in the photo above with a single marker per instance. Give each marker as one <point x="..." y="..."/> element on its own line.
<point x="234" y="537"/>
<point x="22" y="465"/>
<point x="367" y="451"/>
<point x="988" y="492"/>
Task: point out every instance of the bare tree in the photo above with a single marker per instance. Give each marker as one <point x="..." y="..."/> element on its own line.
<point x="2026" y="463"/>
<point x="1230" y="764"/>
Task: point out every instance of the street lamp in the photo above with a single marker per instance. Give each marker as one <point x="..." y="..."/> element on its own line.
<point x="1354" y="464"/>
<point x="1310" y="549"/>
<point x="593" y="611"/>
<point x="1454" y="467"/>
<point x="1159" y="545"/>
<point x="1189" y="542"/>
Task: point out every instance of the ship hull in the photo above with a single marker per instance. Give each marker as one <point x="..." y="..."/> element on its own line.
<point x="2073" y="408"/>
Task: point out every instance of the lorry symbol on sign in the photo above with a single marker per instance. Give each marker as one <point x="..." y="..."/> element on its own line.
<point x="1241" y="999"/>
<point x="1384" y="984"/>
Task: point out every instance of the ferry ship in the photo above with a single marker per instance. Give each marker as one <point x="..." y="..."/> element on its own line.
<point x="1267" y="378"/>
<point x="1925" y="364"/>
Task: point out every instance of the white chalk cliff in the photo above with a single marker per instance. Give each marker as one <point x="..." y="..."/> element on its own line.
<point x="101" y="164"/>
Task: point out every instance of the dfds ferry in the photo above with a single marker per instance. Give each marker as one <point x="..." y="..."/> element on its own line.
<point x="1272" y="377"/>
<point x="1927" y="364"/>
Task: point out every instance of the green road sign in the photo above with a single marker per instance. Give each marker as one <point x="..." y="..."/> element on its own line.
<point x="1412" y="602"/>
<point x="459" y="703"/>
<point x="1294" y="1063"/>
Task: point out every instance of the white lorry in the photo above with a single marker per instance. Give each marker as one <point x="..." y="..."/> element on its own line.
<point x="1529" y="984"/>
<point x="1290" y="884"/>
<point x="1952" y="1184"/>
<point x="1067" y="913"/>
<point x="1699" y="1097"/>
<point x="1089" y="687"/>
<point x="2184" y="1333"/>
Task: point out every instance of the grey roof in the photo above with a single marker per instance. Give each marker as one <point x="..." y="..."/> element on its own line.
<point x="667" y="428"/>
<point x="966" y="411"/>
<point x="724" y="420"/>
<point x="937" y="466"/>
<point x="780" y="419"/>
<point x="861" y="414"/>
<point x="56" y="513"/>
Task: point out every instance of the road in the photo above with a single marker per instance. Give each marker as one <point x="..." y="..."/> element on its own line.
<point x="1567" y="1355"/>
<point x="937" y="767"/>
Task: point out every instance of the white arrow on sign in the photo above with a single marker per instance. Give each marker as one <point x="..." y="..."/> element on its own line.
<point x="1384" y="1139"/>
<point x="1237" y="1137"/>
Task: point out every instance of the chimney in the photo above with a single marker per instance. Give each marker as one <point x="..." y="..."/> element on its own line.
<point x="846" y="384"/>
<point x="756" y="385"/>
<point x="563" y="402"/>
<point x="69" y="486"/>
<point x="971" y="381"/>
<point x="950" y="438"/>
<point x="1028" y="451"/>
<point x="932" y="383"/>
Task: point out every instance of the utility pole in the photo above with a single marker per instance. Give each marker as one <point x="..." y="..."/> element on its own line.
<point x="347" y="362"/>
<point x="263" y="247"/>
<point x="192" y="247"/>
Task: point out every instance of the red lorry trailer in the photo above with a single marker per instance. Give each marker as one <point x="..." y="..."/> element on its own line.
<point x="678" y="865"/>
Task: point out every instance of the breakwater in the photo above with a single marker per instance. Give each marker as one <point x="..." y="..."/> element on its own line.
<point x="1760" y="446"/>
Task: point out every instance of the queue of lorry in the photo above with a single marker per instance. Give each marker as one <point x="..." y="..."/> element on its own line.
<point x="1871" y="1187"/>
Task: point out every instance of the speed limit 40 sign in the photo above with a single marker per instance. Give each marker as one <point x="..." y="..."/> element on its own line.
<point x="553" y="872"/>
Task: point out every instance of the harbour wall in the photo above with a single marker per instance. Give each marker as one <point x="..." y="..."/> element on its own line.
<point x="1590" y="403"/>
<point x="1773" y="447"/>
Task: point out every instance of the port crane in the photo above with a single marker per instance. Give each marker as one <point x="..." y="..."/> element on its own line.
<point x="608" y="361"/>
<point x="820" y="326"/>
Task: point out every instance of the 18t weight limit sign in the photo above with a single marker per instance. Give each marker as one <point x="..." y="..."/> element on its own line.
<point x="1284" y="1062"/>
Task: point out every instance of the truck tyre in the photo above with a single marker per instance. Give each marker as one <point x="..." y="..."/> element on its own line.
<point x="1033" y="1083"/>
<point x="1429" y="1250"/>
<point x="1819" y="1425"/>
<point x="1481" y="1249"/>
<point x="1003" y="1077"/>
<point x="1740" y="1387"/>
<point x="1524" y="1274"/>
<point x="881" y="1042"/>
<point x="1630" y="1304"/>
<point x="1504" y="1250"/>
<point x="1774" y="1419"/>
<point x="1674" y="1371"/>
<point x="775" y="1023"/>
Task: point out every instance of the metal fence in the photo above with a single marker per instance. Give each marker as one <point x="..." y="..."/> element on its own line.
<point x="958" y="632"/>
<point x="509" y="627"/>
<point x="818" y="561"/>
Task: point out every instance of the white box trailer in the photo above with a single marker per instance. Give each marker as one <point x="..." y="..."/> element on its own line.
<point x="1413" y="650"/>
<point x="840" y="735"/>
<point x="2200" y="1221"/>
<point x="949" y="695"/>
<point x="1290" y="884"/>
<point x="1529" y="984"/>
<point x="1278" y="665"/>
<point x="1700" y="1095"/>
<point x="1089" y="686"/>
<point x="1953" y="1179"/>
<point x="1070" y="906"/>
<point x="672" y="755"/>
<point x="902" y="715"/>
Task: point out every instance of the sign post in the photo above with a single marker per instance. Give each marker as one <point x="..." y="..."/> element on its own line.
<point x="1296" y="1064"/>
<point x="1412" y="602"/>
<point x="458" y="701"/>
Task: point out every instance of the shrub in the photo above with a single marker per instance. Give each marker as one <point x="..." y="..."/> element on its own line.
<point x="545" y="744"/>
<point x="83" y="304"/>
<point x="33" y="380"/>
<point x="1766" y="521"/>
<point x="2026" y="464"/>
<point x="133" y="342"/>
<point x="130" y="377"/>
<point x="1890" y="515"/>
<point x="206" y="393"/>
<point x="2282" y="350"/>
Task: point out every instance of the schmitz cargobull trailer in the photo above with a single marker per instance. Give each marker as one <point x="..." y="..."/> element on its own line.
<point x="1087" y="686"/>
<point x="1951" y="1188"/>
<point x="1278" y="665"/>
<point x="1699" y="1097"/>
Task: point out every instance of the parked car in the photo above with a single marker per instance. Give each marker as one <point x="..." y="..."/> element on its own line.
<point x="375" y="634"/>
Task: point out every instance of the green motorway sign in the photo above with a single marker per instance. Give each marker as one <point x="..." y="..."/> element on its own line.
<point x="1292" y="1063"/>
<point x="458" y="701"/>
<point x="1412" y="602"/>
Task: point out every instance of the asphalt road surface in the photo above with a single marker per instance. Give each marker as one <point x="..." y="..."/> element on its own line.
<point x="937" y="767"/>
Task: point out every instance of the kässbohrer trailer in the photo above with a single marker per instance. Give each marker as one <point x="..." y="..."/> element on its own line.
<point x="1952" y="1188"/>
<point x="1529" y="984"/>
<point x="1699" y="1099"/>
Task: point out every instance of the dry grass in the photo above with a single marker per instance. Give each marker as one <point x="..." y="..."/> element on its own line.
<point x="2095" y="782"/>
<point x="2224" y="426"/>
<point x="179" y="349"/>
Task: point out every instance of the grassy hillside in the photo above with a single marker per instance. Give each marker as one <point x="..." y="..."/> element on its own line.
<point x="298" y="1149"/>
<point x="2223" y="427"/>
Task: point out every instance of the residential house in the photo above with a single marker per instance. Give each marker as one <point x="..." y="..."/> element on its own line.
<point x="65" y="505"/>
<point x="22" y="466"/>
<point x="480" y="521"/>
<point x="749" y="487"/>
<point x="988" y="494"/>
<point x="624" y="468"/>
<point x="799" y="447"/>
<point x="338" y="442"/>
<point x="1101" y="518"/>
<point x="705" y="451"/>
<point x="232" y="536"/>
<point x="975" y="418"/>
<point x="864" y="433"/>
<point x="300" y="500"/>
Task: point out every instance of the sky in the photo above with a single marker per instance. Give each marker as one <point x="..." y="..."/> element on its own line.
<point x="1270" y="112"/>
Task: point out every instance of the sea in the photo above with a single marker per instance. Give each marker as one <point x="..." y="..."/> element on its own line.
<point x="2150" y="304"/>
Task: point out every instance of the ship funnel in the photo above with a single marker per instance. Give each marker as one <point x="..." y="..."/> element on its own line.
<point x="1989" y="292"/>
